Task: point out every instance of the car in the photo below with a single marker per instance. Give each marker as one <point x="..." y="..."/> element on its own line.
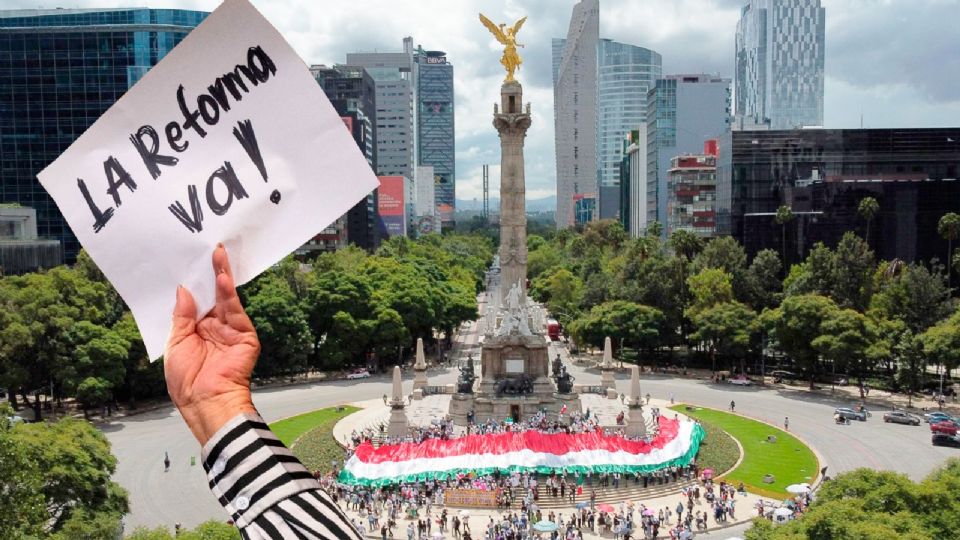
<point x="847" y="412"/>
<point x="935" y="416"/>
<point x="942" y="439"/>
<point x="948" y="427"/>
<point x="358" y="374"/>
<point x="16" y="419"/>
<point x="740" y="381"/>
<point x="901" y="417"/>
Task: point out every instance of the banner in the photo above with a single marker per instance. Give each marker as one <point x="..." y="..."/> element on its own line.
<point x="228" y="139"/>
<point x="390" y="204"/>
<point x="676" y="444"/>
<point x="470" y="498"/>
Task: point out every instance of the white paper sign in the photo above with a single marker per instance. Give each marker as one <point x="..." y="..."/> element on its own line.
<point x="228" y="139"/>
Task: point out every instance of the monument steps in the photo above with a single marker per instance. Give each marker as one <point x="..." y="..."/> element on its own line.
<point x="628" y="492"/>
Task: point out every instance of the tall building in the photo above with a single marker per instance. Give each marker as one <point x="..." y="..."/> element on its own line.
<point x="633" y="183"/>
<point x="823" y="174"/>
<point x="352" y="92"/>
<point x="21" y="251"/>
<point x="436" y="143"/>
<point x="394" y="78"/>
<point x="683" y="111"/>
<point x="691" y="193"/>
<point x="779" y="63"/>
<point x="575" y="111"/>
<point x="60" y="69"/>
<point x="625" y="73"/>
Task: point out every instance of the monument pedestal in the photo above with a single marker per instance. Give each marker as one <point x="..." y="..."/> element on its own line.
<point x="636" y="426"/>
<point x="460" y="407"/>
<point x="609" y="383"/>
<point x="399" y="426"/>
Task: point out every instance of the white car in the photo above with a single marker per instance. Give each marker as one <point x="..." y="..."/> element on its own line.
<point x="358" y="374"/>
<point x="741" y="381"/>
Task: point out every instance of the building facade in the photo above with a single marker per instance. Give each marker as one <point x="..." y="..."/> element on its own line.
<point x="691" y="194"/>
<point x="823" y="174"/>
<point x="633" y="183"/>
<point x="779" y="63"/>
<point x="683" y="111"/>
<point x="625" y="74"/>
<point x="60" y="69"/>
<point x="21" y="250"/>
<point x="395" y="82"/>
<point x="575" y="110"/>
<point x="435" y="128"/>
<point x="352" y="92"/>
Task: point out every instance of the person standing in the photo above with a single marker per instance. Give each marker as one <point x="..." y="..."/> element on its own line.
<point x="166" y="461"/>
<point x="786" y="423"/>
<point x="732" y="405"/>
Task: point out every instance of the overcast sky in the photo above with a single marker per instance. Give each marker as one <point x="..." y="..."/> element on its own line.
<point x="895" y="62"/>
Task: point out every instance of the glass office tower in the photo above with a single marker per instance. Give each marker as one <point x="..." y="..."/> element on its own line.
<point x="624" y="75"/>
<point x="60" y="69"/>
<point x="779" y="63"/>
<point x="435" y="130"/>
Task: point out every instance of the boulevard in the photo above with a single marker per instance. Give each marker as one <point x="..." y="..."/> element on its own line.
<point x="182" y="496"/>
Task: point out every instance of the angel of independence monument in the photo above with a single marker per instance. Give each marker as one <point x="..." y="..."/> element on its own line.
<point x="517" y="378"/>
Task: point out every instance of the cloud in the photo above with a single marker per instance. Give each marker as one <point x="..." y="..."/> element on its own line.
<point x="896" y="61"/>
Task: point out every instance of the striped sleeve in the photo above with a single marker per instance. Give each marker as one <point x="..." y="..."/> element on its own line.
<point x="268" y="493"/>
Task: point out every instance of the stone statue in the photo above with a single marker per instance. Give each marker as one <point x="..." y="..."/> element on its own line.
<point x="513" y="298"/>
<point x="467" y="376"/>
<point x="557" y="364"/>
<point x="508" y="37"/>
<point x="515" y="386"/>
<point x="564" y="381"/>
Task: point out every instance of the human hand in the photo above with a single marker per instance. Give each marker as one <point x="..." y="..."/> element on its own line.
<point x="208" y="363"/>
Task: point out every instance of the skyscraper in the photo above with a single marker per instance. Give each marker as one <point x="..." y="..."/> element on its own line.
<point x="394" y="77"/>
<point x="779" y="63"/>
<point x="352" y="92"/>
<point x="625" y="73"/>
<point x="575" y="109"/>
<point x="436" y="146"/>
<point x="683" y="111"/>
<point x="60" y="69"/>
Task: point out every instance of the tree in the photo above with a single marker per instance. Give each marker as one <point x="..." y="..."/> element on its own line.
<point x="686" y="244"/>
<point x="796" y="324"/>
<point x="69" y="465"/>
<point x="915" y="295"/>
<point x="941" y="342"/>
<point x="709" y="287"/>
<point x="849" y="339"/>
<point x="210" y="530"/>
<point x="633" y="324"/>
<point x="867" y="209"/>
<point x="762" y="281"/>
<point x="784" y="216"/>
<point x="851" y="274"/>
<point x="726" y="328"/>
<point x="562" y="292"/>
<point x="949" y="228"/>
<point x="281" y="323"/>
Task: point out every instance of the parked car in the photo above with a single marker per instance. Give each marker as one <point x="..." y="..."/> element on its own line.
<point x="782" y="374"/>
<point x="847" y="412"/>
<point x="901" y="417"/>
<point x="947" y="426"/>
<point x="16" y="419"/>
<point x="942" y="439"/>
<point x="935" y="416"/>
<point x="740" y="381"/>
<point x="358" y="374"/>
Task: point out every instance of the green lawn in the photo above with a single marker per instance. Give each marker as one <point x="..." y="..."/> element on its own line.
<point x="788" y="460"/>
<point x="288" y="429"/>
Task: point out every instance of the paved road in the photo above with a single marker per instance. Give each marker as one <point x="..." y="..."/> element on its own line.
<point x="181" y="495"/>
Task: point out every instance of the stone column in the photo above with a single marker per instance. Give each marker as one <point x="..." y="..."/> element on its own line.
<point x="606" y="369"/>
<point x="512" y="122"/>
<point x="419" y="372"/>
<point x="399" y="426"/>
<point x="635" y="424"/>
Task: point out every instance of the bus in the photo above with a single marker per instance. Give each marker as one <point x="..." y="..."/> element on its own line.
<point x="553" y="329"/>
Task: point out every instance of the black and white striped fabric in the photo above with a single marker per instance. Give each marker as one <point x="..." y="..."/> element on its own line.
<point x="266" y="490"/>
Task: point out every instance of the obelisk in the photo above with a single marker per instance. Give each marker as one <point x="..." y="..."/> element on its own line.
<point x="398" y="426"/>
<point x="512" y="121"/>
<point x="419" y="372"/>
<point x="606" y="370"/>
<point x="635" y="424"/>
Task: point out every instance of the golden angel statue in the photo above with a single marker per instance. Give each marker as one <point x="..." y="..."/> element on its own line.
<point x="508" y="36"/>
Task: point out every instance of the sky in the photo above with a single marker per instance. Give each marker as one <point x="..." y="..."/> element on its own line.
<point x="893" y="63"/>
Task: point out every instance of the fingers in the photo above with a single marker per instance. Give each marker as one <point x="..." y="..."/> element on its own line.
<point x="184" y="317"/>
<point x="228" y="307"/>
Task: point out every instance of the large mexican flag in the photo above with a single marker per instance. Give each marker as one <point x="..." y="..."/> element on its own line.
<point x="676" y="445"/>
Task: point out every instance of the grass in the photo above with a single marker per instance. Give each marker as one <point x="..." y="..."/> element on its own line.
<point x="788" y="460"/>
<point x="718" y="451"/>
<point x="288" y="429"/>
<point x="312" y="434"/>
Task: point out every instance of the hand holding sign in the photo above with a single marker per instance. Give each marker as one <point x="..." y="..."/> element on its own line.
<point x="228" y="139"/>
<point x="208" y="363"/>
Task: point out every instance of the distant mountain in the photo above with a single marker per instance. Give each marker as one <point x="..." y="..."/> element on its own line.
<point x="543" y="204"/>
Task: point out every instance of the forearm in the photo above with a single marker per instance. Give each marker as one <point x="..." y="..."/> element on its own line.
<point x="265" y="489"/>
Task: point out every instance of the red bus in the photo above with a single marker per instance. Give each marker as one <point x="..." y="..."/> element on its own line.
<point x="553" y="329"/>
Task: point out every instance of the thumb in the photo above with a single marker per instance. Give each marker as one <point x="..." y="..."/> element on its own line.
<point x="184" y="317"/>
